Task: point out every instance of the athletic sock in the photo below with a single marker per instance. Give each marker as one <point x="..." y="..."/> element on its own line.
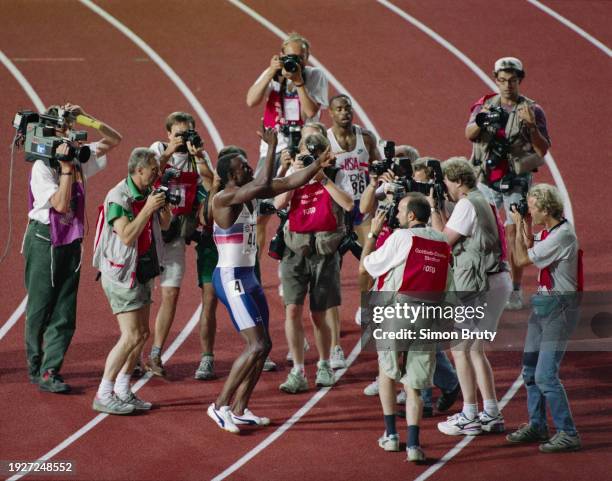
<point x="491" y="407"/>
<point x="298" y="369"/>
<point x="390" y="424"/>
<point x="122" y="385"/>
<point x="155" y="351"/>
<point x="208" y="354"/>
<point x="105" y="390"/>
<point x="413" y="436"/>
<point x="470" y="411"/>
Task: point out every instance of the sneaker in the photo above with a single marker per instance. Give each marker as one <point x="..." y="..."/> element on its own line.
<point x="50" y="381"/>
<point x="526" y="433"/>
<point x="358" y="316"/>
<point x="371" y="389"/>
<point x="389" y="442"/>
<point x="401" y="397"/>
<point x="491" y="424"/>
<point x="561" y="442"/>
<point x="249" y="418"/>
<point x="154" y="366"/>
<point x="206" y="369"/>
<point x="337" y="360"/>
<point x="223" y="418"/>
<point x="415" y="454"/>
<point x="325" y="374"/>
<point x="296" y="382"/>
<point x="515" y="303"/>
<point x="112" y="405"/>
<point x="459" y="424"/>
<point x="306" y="347"/>
<point x="139" y="404"/>
<point x="427" y="411"/>
<point x="269" y="365"/>
<point x="447" y="399"/>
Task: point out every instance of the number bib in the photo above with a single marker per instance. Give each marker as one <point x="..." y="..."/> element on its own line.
<point x="249" y="236"/>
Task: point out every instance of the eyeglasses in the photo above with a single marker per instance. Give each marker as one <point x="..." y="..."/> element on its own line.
<point x="512" y="80"/>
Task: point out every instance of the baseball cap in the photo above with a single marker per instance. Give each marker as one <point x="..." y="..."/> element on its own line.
<point x="508" y="63"/>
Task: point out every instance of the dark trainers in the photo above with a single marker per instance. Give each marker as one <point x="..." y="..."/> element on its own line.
<point x="561" y="442"/>
<point x="50" y="381"/>
<point x="526" y="433"/>
<point x="448" y="399"/>
<point x="154" y="366"/>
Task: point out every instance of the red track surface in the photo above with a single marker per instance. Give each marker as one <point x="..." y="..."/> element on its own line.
<point x="414" y="91"/>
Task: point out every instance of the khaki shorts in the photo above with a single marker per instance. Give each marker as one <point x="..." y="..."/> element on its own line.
<point x="414" y="368"/>
<point x="173" y="260"/>
<point x="122" y="299"/>
<point x="317" y="274"/>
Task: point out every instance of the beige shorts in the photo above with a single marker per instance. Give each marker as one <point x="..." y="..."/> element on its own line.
<point x="122" y="299"/>
<point x="173" y="260"/>
<point x="413" y="368"/>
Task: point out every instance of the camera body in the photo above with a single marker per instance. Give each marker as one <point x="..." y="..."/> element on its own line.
<point x="495" y="119"/>
<point x="291" y="62"/>
<point x="521" y="207"/>
<point x="277" y="243"/>
<point x="189" y="136"/>
<point x="510" y="181"/>
<point x="169" y="174"/>
<point x="37" y="133"/>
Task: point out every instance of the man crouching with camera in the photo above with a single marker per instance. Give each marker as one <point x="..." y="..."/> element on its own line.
<point x="311" y="262"/>
<point x="52" y="245"/>
<point x="127" y="252"/>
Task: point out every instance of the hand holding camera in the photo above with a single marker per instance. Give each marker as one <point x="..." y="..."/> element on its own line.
<point x="378" y="222"/>
<point x="155" y="201"/>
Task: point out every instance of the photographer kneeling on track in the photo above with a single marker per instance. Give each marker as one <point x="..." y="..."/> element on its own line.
<point x="554" y="316"/>
<point x="401" y="266"/>
<point x="127" y="254"/>
<point x="311" y="262"/>
<point x="52" y="244"/>
<point x="510" y="140"/>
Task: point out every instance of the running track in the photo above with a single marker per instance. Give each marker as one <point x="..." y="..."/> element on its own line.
<point x="413" y="91"/>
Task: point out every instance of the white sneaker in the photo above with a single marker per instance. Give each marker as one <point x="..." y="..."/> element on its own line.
<point x="358" y="316"/>
<point x="337" y="360"/>
<point x="306" y="347"/>
<point x="223" y="418"/>
<point x="389" y="442"/>
<point x="249" y="418"/>
<point x="269" y="365"/>
<point x="139" y="404"/>
<point x="415" y="454"/>
<point x="459" y="424"/>
<point x="515" y="302"/>
<point x="401" y="397"/>
<point x="491" y="424"/>
<point x="372" y="388"/>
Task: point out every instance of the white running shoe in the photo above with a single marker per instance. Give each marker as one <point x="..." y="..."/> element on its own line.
<point x="459" y="424"/>
<point x="306" y="347"/>
<point x="515" y="302"/>
<point x="139" y="404"/>
<point x="491" y="424"/>
<point x="337" y="360"/>
<point x="415" y="454"/>
<point x="358" y="316"/>
<point x="389" y="442"/>
<point x="249" y="418"/>
<point x="372" y="388"/>
<point x="223" y="418"/>
<point x="269" y="365"/>
<point x="401" y="397"/>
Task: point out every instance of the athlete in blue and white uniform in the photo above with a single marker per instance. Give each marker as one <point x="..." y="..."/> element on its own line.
<point x="234" y="232"/>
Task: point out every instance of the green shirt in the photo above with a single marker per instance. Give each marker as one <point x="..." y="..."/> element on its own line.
<point x="115" y="210"/>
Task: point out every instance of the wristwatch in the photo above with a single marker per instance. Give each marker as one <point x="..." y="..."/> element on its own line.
<point x="371" y="235"/>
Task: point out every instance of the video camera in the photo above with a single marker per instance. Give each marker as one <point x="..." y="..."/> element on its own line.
<point x="169" y="174"/>
<point x="38" y="134"/>
<point x="277" y="243"/>
<point x="189" y="136"/>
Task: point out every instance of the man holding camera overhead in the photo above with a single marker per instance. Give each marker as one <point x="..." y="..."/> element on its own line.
<point x="52" y="245"/>
<point x="184" y="151"/>
<point x="510" y="140"/>
<point x="294" y="93"/>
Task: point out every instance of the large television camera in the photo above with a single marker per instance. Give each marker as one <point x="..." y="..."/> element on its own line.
<point x="38" y="134"/>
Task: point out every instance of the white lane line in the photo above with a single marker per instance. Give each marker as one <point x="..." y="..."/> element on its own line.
<point x="101" y="417"/>
<point x="569" y="24"/>
<point x="48" y="59"/>
<point x="291" y="421"/>
<point x="367" y="123"/>
<point x="163" y="65"/>
<point x="40" y="106"/>
<point x="468" y="439"/>
<point x="550" y="161"/>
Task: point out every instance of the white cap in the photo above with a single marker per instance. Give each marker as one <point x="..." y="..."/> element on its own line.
<point x="508" y="63"/>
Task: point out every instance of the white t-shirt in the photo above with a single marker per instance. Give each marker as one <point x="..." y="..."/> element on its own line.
<point x="316" y="86"/>
<point x="463" y="218"/>
<point x="44" y="182"/>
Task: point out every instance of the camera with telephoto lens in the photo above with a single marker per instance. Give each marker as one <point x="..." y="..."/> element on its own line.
<point x="277" y="243"/>
<point x="493" y="120"/>
<point x="294" y="136"/>
<point x="189" y="136"/>
<point x="169" y="174"/>
<point x="521" y="207"/>
<point x="291" y="62"/>
<point x="439" y="187"/>
<point x="38" y="134"/>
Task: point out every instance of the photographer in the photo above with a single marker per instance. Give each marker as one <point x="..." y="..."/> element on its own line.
<point x="554" y="251"/>
<point x="183" y="151"/>
<point x="400" y="266"/>
<point x="311" y="261"/>
<point x="294" y="93"/>
<point x="481" y="279"/>
<point x="52" y="245"/>
<point x="127" y="253"/>
<point x="510" y="140"/>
